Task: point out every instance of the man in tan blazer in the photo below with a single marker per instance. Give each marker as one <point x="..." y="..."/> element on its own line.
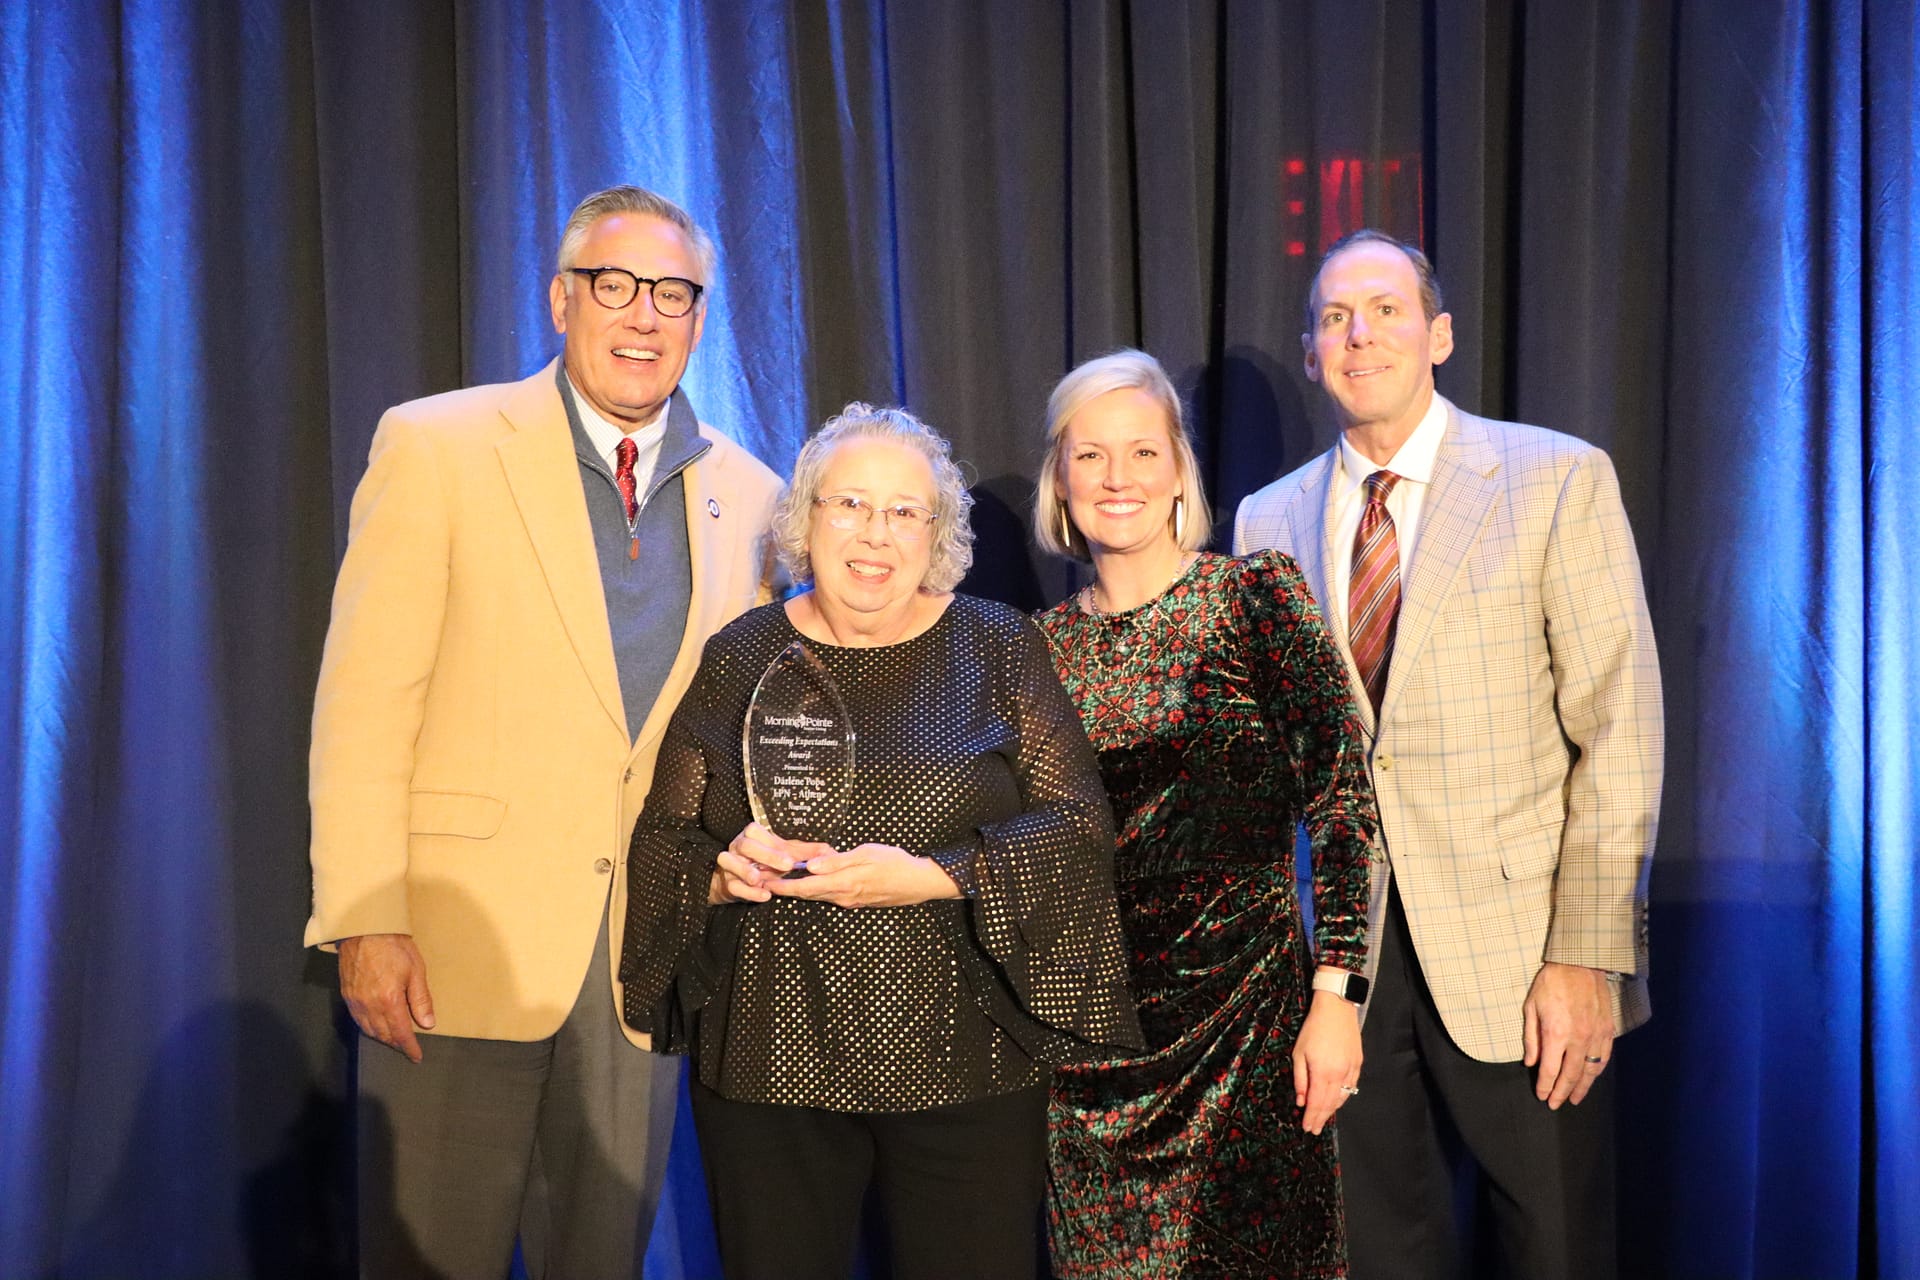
<point x="532" y="571"/>
<point x="1482" y="581"/>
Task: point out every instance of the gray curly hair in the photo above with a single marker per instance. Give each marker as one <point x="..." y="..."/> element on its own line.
<point x="951" y="552"/>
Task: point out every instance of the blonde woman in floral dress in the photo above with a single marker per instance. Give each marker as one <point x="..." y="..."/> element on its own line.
<point x="1222" y="717"/>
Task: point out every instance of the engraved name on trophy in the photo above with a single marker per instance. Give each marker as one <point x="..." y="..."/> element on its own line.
<point x="798" y="747"/>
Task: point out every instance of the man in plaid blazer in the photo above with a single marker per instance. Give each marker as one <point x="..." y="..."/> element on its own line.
<point x="1486" y="577"/>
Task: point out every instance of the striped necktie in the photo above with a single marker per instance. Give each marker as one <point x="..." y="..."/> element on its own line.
<point x="624" y="455"/>
<point x="1373" y="597"/>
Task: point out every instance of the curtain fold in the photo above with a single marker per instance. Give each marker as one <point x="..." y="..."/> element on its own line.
<point x="1889" y="1138"/>
<point x="59" y="260"/>
<point x="232" y="233"/>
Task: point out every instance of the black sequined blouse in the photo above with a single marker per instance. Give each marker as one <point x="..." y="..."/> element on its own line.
<point x="969" y="753"/>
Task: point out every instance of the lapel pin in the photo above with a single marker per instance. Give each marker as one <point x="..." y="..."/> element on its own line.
<point x="713" y="508"/>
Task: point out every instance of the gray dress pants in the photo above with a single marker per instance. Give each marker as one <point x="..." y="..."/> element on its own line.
<point x="562" y="1142"/>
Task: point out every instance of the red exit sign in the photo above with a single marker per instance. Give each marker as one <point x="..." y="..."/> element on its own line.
<point x="1321" y="202"/>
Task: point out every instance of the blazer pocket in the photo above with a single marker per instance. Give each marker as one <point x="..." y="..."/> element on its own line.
<point x="455" y="813"/>
<point x="1535" y="854"/>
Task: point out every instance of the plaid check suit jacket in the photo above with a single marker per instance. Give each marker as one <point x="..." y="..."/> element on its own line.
<point x="1517" y="754"/>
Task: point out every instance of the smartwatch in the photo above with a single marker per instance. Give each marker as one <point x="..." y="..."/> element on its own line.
<point x="1351" y="987"/>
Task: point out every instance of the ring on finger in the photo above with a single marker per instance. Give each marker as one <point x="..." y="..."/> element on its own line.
<point x="1595" y="1062"/>
<point x="1351" y="1090"/>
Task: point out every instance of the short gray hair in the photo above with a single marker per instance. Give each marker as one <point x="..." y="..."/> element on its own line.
<point x="951" y="552"/>
<point x="1431" y="303"/>
<point x="1122" y="370"/>
<point x="635" y="200"/>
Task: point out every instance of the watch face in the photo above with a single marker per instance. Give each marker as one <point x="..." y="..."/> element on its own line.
<point x="1351" y="987"/>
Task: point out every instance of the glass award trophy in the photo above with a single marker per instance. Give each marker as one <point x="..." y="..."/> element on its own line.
<point x="798" y="747"/>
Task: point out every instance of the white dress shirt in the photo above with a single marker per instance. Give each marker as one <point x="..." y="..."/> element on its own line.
<point x="606" y="439"/>
<point x="1413" y="463"/>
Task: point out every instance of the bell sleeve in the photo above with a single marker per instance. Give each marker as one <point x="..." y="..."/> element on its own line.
<point x="1041" y="883"/>
<point x="663" y="970"/>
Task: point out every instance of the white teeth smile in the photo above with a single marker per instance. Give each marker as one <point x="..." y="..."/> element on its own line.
<point x="868" y="570"/>
<point x="1118" y="508"/>
<point x="635" y="353"/>
<point x="1365" y="373"/>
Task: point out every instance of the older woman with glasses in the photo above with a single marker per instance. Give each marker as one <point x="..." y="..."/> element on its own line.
<point x="883" y="1010"/>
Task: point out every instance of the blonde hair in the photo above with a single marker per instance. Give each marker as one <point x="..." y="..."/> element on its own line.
<point x="1122" y="370"/>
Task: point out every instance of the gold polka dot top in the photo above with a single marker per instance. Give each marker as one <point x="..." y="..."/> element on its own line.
<point x="969" y="753"/>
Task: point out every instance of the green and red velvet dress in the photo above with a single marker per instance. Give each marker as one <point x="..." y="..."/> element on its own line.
<point x="1222" y="716"/>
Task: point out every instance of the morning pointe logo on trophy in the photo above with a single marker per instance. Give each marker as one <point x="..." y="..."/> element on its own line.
<point x="798" y="785"/>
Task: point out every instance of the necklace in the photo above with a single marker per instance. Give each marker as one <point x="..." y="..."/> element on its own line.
<point x="1092" y="606"/>
<point x="1149" y="641"/>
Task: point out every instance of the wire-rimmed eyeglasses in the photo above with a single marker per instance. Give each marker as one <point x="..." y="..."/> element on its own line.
<point x="846" y="512"/>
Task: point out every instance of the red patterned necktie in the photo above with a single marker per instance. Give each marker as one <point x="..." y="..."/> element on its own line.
<point x="623" y="454"/>
<point x="1373" y="597"/>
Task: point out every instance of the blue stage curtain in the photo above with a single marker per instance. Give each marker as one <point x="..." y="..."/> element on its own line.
<point x="1776" y="1088"/>
<point x="1888" y="392"/>
<point x="57" y="232"/>
<point x="232" y="232"/>
<point x="156" y="1064"/>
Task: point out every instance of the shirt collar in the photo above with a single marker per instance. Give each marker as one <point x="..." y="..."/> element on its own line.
<point x="606" y="437"/>
<point x="1412" y="461"/>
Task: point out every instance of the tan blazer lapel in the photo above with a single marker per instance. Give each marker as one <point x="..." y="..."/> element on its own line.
<point x="544" y="476"/>
<point x="1313" y="547"/>
<point x="1451" y="520"/>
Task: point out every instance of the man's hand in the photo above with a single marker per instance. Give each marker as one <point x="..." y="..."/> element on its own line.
<point x="1326" y="1059"/>
<point x="1569" y="1031"/>
<point x="384" y="980"/>
<point x="872" y="875"/>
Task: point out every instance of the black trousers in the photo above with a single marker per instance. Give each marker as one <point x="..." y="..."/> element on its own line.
<point x="960" y="1186"/>
<point x="1444" y="1157"/>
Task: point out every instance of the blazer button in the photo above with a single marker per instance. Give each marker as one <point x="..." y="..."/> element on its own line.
<point x="603" y="865"/>
<point x="627" y="776"/>
<point x="1383" y="762"/>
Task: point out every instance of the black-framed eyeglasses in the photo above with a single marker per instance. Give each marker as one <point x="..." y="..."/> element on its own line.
<point x="616" y="287"/>
<point x="846" y="512"/>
